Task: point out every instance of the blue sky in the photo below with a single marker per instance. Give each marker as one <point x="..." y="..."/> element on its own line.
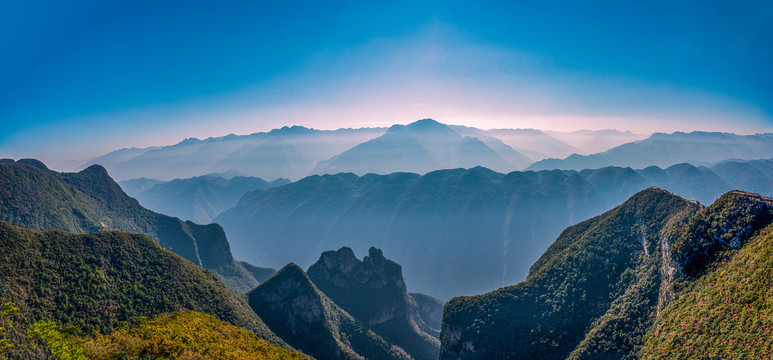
<point x="80" y="78"/>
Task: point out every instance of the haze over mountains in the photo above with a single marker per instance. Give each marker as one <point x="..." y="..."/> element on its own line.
<point x="423" y="146"/>
<point x="456" y="231"/>
<point x="101" y="279"/>
<point x="663" y="150"/>
<point x="426" y="222"/>
<point x="199" y="199"/>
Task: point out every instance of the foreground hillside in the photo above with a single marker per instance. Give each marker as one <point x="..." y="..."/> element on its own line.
<point x="35" y="197"/>
<point x="177" y="335"/>
<point x="652" y="278"/>
<point x="727" y="312"/>
<point x="97" y="281"/>
<point x="604" y="267"/>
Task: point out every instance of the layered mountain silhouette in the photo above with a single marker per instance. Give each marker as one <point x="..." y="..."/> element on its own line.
<point x="423" y="146"/>
<point x="426" y="221"/>
<point x="420" y="147"/>
<point x="295" y="152"/>
<point x="35" y="197"/>
<point x="198" y="199"/>
<point x="289" y="152"/>
<point x="96" y="282"/>
<point x="624" y="285"/>
<point x="595" y="141"/>
<point x="664" y="150"/>
<point x="535" y="144"/>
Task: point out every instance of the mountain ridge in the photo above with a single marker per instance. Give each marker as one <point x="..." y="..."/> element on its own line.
<point x="38" y="198"/>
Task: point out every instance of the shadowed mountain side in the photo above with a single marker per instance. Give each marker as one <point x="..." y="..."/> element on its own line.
<point x="373" y="291"/>
<point x="428" y="222"/>
<point x="308" y="320"/>
<point x="755" y="176"/>
<point x="34" y="197"/>
<point x="132" y="187"/>
<point x="201" y="198"/>
<point x="664" y="150"/>
<point x="95" y="281"/>
<point x="429" y="313"/>
<point x="425" y="222"/>
<point x="616" y="184"/>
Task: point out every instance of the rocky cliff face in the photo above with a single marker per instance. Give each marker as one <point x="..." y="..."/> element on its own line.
<point x="592" y="293"/>
<point x="429" y="313"/>
<point x="373" y="291"/>
<point x="625" y="284"/>
<point x="310" y="321"/>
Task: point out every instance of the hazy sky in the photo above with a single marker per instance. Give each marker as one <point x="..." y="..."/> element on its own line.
<point x="80" y="78"/>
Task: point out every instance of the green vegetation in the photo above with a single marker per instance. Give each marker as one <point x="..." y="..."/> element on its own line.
<point x="592" y="294"/>
<point x="177" y="335"/>
<point x="726" y="314"/>
<point x="184" y="335"/>
<point x="61" y="342"/>
<point x="6" y="324"/>
<point x="97" y="282"/>
<point x="724" y="225"/>
<point x="34" y="197"/>
<point x="614" y="288"/>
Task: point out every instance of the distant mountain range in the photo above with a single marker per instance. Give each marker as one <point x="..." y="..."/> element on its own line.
<point x="289" y="152"/>
<point x="427" y="221"/>
<point x="296" y="152"/>
<point x="198" y="199"/>
<point x="663" y="150"/>
<point x="656" y="277"/>
<point x="420" y="147"/>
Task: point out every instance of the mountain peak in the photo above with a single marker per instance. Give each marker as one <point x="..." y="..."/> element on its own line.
<point x="375" y="254"/>
<point x="291" y="130"/>
<point x="190" y="141"/>
<point x="427" y="125"/>
<point x="34" y="163"/>
<point x="95" y="169"/>
<point x="290" y="270"/>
